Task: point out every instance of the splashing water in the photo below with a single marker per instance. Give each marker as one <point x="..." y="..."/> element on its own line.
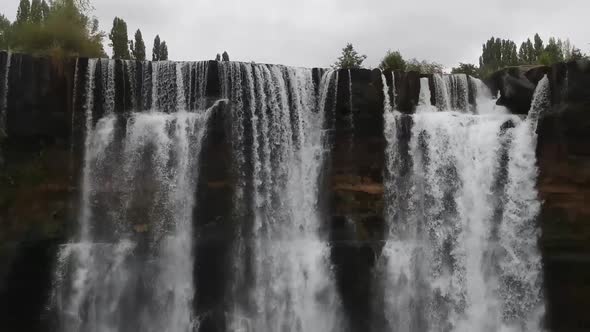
<point x="130" y="268"/>
<point x="279" y="137"/>
<point x="461" y="206"/>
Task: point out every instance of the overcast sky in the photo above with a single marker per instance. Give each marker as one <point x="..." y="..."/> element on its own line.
<point x="311" y="33"/>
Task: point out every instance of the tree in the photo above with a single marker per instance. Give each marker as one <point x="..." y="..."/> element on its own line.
<point x="4" y="32"/>
<point x="23" y="12"/>
<point x="64" y="31"/>
<point x="553" y="52"/>
<point x="119" y="39"/>
<point x="36" y="14"/>
<point x="138" y="47"/>
<point x="163" y="51"/>
<point x="225" y="56"/>
<point x="467" y="69"/>
<point x="349" y="59"/>
<point x="156" y="49"/>
<point x="393" y="61"/>
<point x="45" y="10"/>
<point x="576" y="54"/>
<point x="424" y="66"/>
<point x="218" y="57"/>
<point x="538" y="47"/>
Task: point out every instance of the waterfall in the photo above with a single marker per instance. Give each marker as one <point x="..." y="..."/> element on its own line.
<point x="279" y="135"/>
<point x="4" y="96"/>
<point x="461" y="252"/>
<point x="130" y="266"/>
<point x="451" y="92"/>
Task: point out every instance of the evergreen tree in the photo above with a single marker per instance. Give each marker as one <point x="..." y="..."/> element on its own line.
<point x="138" y="47"/>
<point x="393" y="61"/>
<point x="119" y="39"/>
<point x="44" y="10"/>
<point x="538" y="47"/>
<point x="350" y="59"/>
<point x="23" y="12"/>
<point x="225" y="56"/>
<point x="163" y="51"/>
<point x="156" y="49"/>
<point x="36" y="14"/>
<point x="218" y="57"/>
<point x="553" y="52"/>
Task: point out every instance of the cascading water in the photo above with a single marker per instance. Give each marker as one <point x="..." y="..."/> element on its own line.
<point x="4" y="96"/>
<point x="451" y="92"/>
<point x="461" y="254"/>
<point x="130" y="268"/>
<point x="279" y="139"/>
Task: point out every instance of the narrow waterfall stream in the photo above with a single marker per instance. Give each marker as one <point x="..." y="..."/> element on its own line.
<point x="130" y="267"/>
<point x="282" y="276"/>
<point x="461" y="207"/>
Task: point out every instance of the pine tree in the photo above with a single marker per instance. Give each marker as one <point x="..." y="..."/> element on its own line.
<point x="225" y="56"/>
<point x="4" y="32"/>
<point x="119" y="39"/>
<point x="36" y="14"/>
<point x="156" y="49"/>
<point x="349" y="59"/>
<point x="138" y="47"/>
<point x="23" y="12"/>
<point x="163" y="51"/>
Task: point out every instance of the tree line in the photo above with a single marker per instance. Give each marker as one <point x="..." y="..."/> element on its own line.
<point x="496" y="54"/>
<point x="64" y="28"/>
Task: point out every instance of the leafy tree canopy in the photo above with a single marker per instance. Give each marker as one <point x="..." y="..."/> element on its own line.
<point x="350" y="59"/>
<point x="393" y="61"/>
<point x="467" y="69"/>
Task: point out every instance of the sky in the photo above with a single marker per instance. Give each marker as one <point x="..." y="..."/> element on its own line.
<point x="312" y="33"/>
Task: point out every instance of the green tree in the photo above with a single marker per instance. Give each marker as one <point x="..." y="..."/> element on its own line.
<point x="163" y="51"/>
<point x="138" y="47"/>
<point x="119" y="39"/>
<point x="393" y="61"/>
<point x="424" y="66"/>
<point x="350" y="59"/>
<point x="23" y="12"/>
<point x="467" y="69"/>
<point x="218" y="57"/>
<point x="576" y="54"/>
<point x="553" y="52"/>
<point x="225" y="56"/>
<point x="66" y="31"/>
<point x="4" y="32"/>
<point x="538" y="47"/>
<point x="45" y="10"/>
<point x="156" y="49"/>
<point x="36" y="14"/>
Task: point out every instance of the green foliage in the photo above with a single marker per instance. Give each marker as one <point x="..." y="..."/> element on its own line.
<point x="225" y="56"/>
<point x="36" y="14"/>
<point x="44" y="10"/>
<point x="538" y="46"/>
<point x="424" y="66"/>
<point x="467" y="69"/>
<point x="349" y="59"/>
<point x="138" y="47"/>
<point x="66" y="31"/>
<point x="526" y="53"/>
<point x="4" y="32"/>
<point x="156" y="49"/>
<point x="119" y="39"/>
<point x="218" y="57"/>
<point x="163" y="51"/>
<point x="23" y="12"/>
<point x="498" y="53"/>
<point x="393" y="61"/>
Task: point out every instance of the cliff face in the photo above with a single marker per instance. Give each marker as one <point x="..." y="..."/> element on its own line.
<point x="42" y="156"/>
